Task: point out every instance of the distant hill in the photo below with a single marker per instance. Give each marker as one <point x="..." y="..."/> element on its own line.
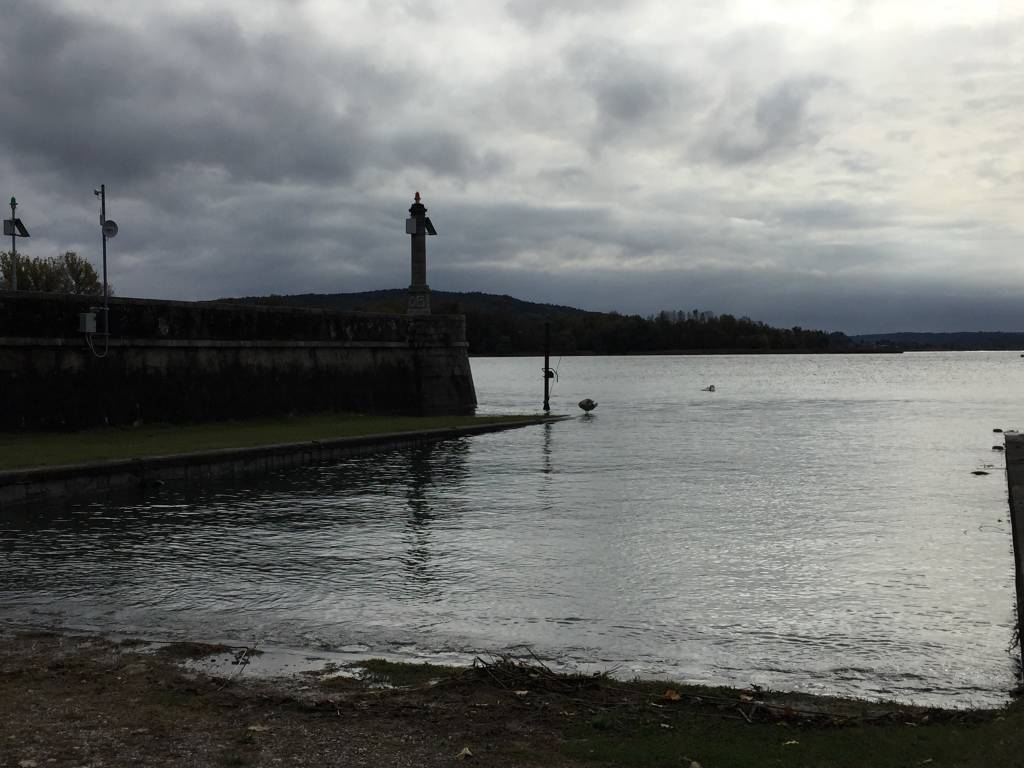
<point x="964" y="340"/>
<point x="503" y="325"/>
<point x="395" y="300"/>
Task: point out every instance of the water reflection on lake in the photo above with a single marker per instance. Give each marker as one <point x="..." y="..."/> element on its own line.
<point x="812" y="524"/>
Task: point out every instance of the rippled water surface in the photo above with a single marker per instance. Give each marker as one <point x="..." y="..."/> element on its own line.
<point x="813" y="524"/>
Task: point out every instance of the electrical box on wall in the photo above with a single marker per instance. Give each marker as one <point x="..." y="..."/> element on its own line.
<point x="87" y="322"/>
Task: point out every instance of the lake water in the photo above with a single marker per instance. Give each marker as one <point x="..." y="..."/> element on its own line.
<point x="811" y="525"/>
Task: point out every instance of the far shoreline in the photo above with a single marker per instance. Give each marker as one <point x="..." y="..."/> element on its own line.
<point x="717" y="352"/>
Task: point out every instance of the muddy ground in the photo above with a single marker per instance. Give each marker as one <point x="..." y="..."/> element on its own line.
<point x="78" y="700"/>
<point x="86" y="701"/>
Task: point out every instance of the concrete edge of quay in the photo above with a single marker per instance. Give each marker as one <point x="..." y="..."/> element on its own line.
<point x="40" y="485"/>
<point x="1014" y="455"/>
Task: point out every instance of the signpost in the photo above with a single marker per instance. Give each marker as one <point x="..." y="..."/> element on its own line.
<point x="15" y="229"/>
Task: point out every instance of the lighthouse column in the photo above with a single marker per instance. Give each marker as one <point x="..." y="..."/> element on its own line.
<point x="418" y="226"/>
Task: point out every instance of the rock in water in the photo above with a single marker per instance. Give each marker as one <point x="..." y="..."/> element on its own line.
<point x="587" y="404"/>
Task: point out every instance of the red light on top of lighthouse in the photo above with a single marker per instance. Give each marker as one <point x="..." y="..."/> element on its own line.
<point x="417" y="197"/>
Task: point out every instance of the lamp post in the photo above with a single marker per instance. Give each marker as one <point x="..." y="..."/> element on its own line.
<point x="14" y="227"/>
<point x="108" y="228"/>
<point x="14" y="253"/>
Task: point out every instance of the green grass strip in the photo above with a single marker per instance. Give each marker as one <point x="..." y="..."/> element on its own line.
<point x="716" y="740"/>
<point x="20" y="450"/>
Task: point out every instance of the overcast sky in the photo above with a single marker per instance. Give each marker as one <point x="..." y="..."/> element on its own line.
<point x="852" y="166"/>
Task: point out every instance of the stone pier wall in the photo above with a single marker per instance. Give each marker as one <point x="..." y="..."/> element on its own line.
<point x="169" y="361"/>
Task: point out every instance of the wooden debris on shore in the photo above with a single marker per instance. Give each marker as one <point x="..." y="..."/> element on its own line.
<point x="519" y="674"/>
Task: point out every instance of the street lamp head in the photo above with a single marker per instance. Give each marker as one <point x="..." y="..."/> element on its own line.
<point x="14" y="203"/>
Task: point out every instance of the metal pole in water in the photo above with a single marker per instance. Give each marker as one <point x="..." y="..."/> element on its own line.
<point x="547" y="362"/>
<point x="14" y="253"/>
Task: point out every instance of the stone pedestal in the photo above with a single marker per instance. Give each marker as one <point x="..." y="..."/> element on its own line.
<point x="419" y="300"/>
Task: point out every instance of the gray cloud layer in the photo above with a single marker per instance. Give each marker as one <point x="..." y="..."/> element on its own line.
<point x="831" y="169"/>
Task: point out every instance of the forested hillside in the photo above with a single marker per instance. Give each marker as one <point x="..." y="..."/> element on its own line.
<point x="503" y="325"/>
<point x="964" y="340"/>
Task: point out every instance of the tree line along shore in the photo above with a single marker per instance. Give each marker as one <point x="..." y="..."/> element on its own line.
<point x="504" y="325"/>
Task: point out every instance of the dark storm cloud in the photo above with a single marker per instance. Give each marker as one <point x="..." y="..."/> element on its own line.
<point x="633" y="94"/>
<point x="201" y="93"/>
<point x="444" y="153"/>
<point x="775" y="121"/>
<point x="631" y="98"/>
<point x="221" y="149"/>
<point x="565" y="178"/>
<point x="833" y="214"/>
<point x="494" y="231"/>
<point x="273" y="240"/>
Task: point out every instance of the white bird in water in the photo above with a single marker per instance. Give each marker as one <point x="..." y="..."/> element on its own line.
<point x="587" y="404"/>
